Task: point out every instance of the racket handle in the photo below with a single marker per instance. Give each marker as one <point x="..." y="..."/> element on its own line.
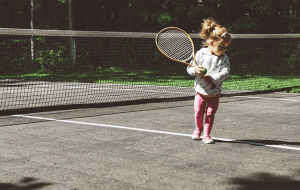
<point x="213" y="86"/>
<point x="209" y="81"/>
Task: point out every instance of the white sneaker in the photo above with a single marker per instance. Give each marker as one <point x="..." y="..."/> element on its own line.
<point x="208" y="140"/>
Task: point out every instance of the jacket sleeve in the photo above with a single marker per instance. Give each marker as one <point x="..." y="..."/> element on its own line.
<point x="191" y="70"/>
<point x="224" y="70"/>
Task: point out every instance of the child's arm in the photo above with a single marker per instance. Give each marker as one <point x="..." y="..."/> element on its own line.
<point x="224" y="71"/>
<point x="195" y="69"/>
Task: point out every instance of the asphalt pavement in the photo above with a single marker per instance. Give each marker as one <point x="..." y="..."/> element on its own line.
<point x="149" y="146"/>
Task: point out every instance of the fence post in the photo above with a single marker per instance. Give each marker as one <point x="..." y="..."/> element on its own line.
<point x="31" y="26"/>
<point x="72" y="40"/>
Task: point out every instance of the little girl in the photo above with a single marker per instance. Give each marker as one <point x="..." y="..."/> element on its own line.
<point x="212" y="57"/>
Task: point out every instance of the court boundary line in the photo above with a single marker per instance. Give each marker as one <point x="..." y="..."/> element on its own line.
<point x="155" y="131"/>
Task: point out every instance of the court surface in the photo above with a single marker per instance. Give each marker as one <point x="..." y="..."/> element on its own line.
<point x="149" y="146"/>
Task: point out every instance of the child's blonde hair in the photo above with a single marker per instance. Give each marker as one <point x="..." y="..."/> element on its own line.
<point x="213" y="32"/>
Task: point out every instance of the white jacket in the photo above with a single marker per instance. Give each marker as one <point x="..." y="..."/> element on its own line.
<point x="218" y="68"/>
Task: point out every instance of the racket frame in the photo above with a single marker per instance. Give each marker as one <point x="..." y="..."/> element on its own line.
<point x="180" y="61"/>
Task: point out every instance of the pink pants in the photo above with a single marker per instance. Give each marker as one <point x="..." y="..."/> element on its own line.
<point x="208" y="104"/>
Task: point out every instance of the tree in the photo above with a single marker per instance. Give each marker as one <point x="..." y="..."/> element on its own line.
<point x="239" y="16"/>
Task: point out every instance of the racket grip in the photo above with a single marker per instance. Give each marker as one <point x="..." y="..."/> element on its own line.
<point x="209" y="81"/>
<point x="213" y="86"/>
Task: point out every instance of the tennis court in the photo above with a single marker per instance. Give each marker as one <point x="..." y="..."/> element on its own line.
<point x="105" y="110"/>
<point x="148" y="146"/>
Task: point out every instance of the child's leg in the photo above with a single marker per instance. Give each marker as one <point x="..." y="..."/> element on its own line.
<point x="199" y="107"/>
<point x="212" y="107"/>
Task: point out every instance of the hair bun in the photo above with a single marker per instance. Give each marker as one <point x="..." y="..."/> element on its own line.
<point x="208" y="26"/>
<point x="211" y="31"/>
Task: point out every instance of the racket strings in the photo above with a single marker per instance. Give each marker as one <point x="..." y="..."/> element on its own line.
<point x="175" y="44"/>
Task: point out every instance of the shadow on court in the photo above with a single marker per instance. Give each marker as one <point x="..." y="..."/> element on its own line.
<point x="26" y="183"/>
<point x="263" y="181"/>
<point x="260" y="142"/>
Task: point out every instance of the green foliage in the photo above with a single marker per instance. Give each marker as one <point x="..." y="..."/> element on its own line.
<point x="9" y="61"/>
<point x="239" y="16"/>
<point x="50" y="61"/>
<point x="295" y="90"/>
<point x="260" y="83"/>
<point x="52" y="55"/>
<point x="164" y="19"/>
<point x="292" y="60"/>
<point x="64" y="1"/>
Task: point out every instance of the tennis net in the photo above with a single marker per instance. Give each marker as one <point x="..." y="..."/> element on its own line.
<point x="43" y="68"/>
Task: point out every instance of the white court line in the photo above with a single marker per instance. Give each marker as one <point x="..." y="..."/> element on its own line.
<point x="256" y="97"/>
<point x="154" y="131"/>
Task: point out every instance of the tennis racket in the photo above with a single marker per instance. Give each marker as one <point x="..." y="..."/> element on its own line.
<point x="178" y="46"/>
